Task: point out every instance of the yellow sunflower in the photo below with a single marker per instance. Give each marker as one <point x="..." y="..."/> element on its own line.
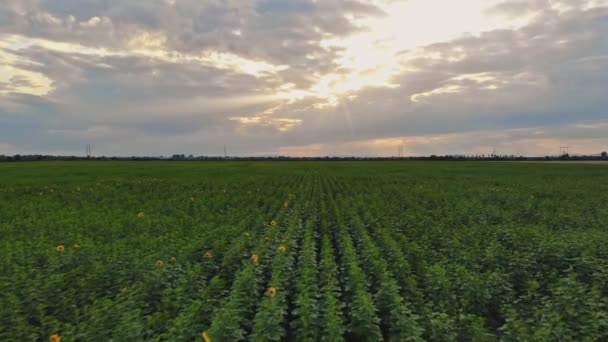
<point x="282" y="249"/>
<point x="55" y="338"/>
<point x="159" y="263"/>
<point x="60" y="248"/>
<point x="273" y="223"/>
<point x="140" y="214"/>
<point x="255" y="258"/>
<point x="206" y="336"/>
<point x="272" y="292"/>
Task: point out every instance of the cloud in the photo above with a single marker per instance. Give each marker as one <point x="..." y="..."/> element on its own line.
<point x="301" y="77"/>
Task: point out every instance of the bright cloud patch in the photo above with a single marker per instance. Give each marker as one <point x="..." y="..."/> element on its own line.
<point x="14" y="79"/>
<point x="278" y="124"/>
<point x="150" y="46"/>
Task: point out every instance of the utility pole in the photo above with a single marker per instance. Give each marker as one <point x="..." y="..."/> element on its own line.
<point x="225" y="154"/>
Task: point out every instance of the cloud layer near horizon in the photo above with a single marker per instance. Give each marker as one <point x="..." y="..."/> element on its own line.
<point x="303" y="77"/>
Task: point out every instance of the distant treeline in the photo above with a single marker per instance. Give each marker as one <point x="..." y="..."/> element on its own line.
<point x="182" y="157"/>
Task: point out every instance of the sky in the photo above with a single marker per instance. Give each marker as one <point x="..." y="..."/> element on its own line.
<point x="303" y="77"/>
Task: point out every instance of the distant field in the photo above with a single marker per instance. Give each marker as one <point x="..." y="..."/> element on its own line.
<point x="364" y="251"/>
<point x="598" y="162"/>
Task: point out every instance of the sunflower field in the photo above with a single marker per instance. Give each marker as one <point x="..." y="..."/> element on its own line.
<point x="303" y="251"/>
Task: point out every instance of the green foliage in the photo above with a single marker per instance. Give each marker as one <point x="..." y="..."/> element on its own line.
<point x="307" y="311"/>
<point x="361" y="251"/>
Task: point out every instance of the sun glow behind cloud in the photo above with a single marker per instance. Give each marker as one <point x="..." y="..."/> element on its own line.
<point x="373" y="57"/>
